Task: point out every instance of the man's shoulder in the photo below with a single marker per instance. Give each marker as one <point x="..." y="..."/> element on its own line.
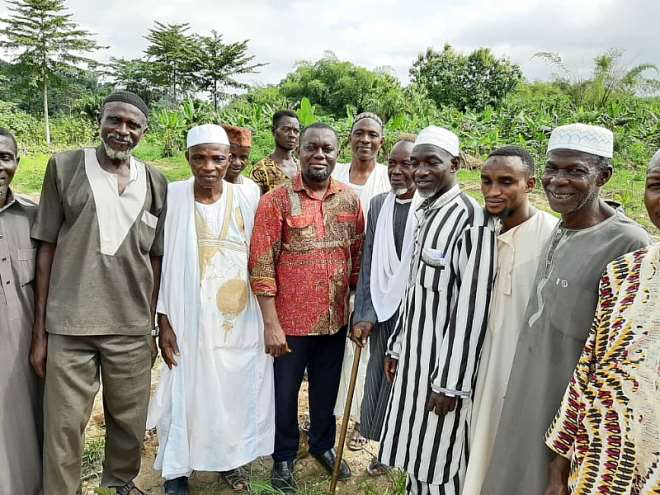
<point x="475" y="215"/>
<point x="629" y="230"/>
<point x="248" y="190"/>
<point x="26" y="202"/>
<point x="343" y="190"/>
<point x="265" y="163"/>
<point x="278" y="196"/>
<point x="69" y="159"/>
<point x="155" y="174"/>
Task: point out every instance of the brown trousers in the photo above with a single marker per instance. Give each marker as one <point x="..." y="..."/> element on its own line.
<point x="73" y="368"/>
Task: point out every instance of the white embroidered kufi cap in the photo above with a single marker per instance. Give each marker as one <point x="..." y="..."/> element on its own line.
<point x="582" y="137"/>
<point x="440" y="137"/>
<point x="206" y="134"/>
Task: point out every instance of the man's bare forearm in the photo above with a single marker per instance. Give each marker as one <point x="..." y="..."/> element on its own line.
<point x="268" y="310"/>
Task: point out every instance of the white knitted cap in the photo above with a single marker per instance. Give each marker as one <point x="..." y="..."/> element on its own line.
<point x="582" y="137"/>
<point x="206" y="134"/>
<point x="440" y="137"/>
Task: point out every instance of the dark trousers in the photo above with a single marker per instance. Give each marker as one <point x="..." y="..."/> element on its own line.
<point x="322" y="356"/>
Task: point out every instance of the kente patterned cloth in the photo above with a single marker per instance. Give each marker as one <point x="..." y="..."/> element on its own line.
<point x="608" y="424"/>
<point x="306" y="253"/>
<point x="268" y="174"/>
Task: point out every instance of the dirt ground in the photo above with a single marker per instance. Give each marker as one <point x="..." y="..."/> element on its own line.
<point x="312" y="479"/>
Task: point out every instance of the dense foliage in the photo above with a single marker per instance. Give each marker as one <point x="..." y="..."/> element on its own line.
<point x="473" y="81"/>
<point x="47" y="45"/>
<point x="187" y="77"/>
<point x="342" y="88"/>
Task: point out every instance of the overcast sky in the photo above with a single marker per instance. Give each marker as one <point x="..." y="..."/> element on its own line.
<point x="390" y="33"/>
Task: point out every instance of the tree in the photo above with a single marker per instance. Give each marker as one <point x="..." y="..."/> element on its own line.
<point x="49" y="44"/>
<point x="218" y="63"/>
<point x="138" y="76"/>
<point x="173" y="55"/>
<point x="471" y="82"/>
<point x="610" y="79"/>
<point x="341" y="87"/>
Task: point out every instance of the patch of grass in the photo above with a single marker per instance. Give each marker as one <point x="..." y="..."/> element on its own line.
<point x="30" y="173"/>
<point x="92" y="458"/>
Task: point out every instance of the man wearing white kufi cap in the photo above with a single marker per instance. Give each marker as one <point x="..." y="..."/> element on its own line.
<point x="433" y="353"/>
<point x="214" y="407"/>
<point x="561" y="309"/>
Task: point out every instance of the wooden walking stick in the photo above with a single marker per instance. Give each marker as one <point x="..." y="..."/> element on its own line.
<point x="344" y="422"/>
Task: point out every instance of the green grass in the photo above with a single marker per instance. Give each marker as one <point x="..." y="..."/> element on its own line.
<point x="92" y="459"/>
<point x="626" y="186"/>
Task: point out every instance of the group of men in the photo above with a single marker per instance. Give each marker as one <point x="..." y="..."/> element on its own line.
<point x="473" y="318"/>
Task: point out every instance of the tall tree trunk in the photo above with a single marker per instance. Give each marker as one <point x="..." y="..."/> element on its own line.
<point x="174" y="86"/>
<point x="46" y="124"/>
<point x="215" y="95"/>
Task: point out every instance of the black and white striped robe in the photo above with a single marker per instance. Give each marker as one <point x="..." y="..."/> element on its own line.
<point x="438" y="340"/>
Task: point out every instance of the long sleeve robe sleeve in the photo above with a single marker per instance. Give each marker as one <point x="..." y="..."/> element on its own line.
<point x="561" y="436"/>
<point x="461" y="345"/>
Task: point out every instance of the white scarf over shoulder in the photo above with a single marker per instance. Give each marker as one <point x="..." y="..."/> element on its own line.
<point x="389" y="274"/>
<point x="181" y="270"/>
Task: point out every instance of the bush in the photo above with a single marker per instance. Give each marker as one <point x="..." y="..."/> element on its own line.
<point x="341" y="88"/>
<point x="473" y="81"/>
<point x="26" y="128"/>
<point x="72" y="131"/>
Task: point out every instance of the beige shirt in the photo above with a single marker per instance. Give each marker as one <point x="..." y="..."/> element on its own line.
<point x="101" y="280"/>
<point x="519" y="253"/>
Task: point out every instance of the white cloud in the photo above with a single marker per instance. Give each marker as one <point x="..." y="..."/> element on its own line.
<point x="389" y="32"/>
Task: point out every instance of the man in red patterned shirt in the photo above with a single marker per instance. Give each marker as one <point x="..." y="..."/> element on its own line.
<point x="304" y="259"/>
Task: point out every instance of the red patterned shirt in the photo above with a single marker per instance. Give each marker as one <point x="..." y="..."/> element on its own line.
<point x="306" y="252"/>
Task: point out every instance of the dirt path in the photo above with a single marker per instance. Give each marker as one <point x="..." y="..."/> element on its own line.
<point x="312" y="479"/>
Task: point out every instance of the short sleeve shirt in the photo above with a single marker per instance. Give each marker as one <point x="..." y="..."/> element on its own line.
<point x="101" y="279"/>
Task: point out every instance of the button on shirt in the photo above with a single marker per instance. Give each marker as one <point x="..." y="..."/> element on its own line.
<point x="306" y="252"/>
<point x="17" y="257"/>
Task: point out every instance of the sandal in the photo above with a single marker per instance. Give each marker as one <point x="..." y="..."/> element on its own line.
<point x="236" y="479"/>
<point x="377" y="469"/>
<point x="128" y="489"/>
<point x="357" y="442"/>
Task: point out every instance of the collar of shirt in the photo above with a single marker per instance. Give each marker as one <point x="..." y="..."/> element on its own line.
<point x="11" y="199"/>
<point x="132" y="170"/>
<point x="333" y="187"/>
<point x="435" y="202"/>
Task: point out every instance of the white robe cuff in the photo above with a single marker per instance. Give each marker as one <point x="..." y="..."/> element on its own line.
<point x="451" y="393"/>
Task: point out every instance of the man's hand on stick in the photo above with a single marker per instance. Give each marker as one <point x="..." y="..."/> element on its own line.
<point x="360" y="332"/>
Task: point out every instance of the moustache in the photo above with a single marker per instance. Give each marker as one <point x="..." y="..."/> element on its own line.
<point x="120" y="139"/>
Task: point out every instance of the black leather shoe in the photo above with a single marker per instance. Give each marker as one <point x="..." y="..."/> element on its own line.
<point x="177" y="486"/>
<point x="281" y="478"/>
<point x="328" y="458"/>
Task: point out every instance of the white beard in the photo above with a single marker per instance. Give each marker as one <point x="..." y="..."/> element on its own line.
<point x="425" y="194"/>
<point x="114" y="154"/>
<point x="399" y="192"/>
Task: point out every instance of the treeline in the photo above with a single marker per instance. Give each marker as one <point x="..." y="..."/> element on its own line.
<point x="190" y="78"/>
